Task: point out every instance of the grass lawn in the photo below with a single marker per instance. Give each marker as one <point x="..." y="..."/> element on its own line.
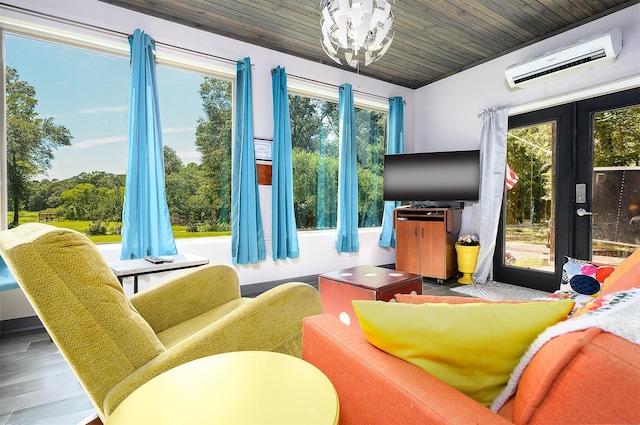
<point x="179" y="232"/>
<point x="536" y="234"/>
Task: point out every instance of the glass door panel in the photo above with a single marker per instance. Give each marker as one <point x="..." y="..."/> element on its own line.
<point x="530" y="200"/>
<point x="534" y="230"/>
<point x="615" y="203"/>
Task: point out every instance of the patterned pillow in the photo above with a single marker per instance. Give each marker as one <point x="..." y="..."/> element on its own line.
<point x="583" y="276"/>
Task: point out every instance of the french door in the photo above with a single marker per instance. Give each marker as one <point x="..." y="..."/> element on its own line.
<point x="573" y="189"/>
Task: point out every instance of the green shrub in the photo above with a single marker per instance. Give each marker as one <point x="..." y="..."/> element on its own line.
<point x="116" y="228"/>
<point x="96" y="228"/>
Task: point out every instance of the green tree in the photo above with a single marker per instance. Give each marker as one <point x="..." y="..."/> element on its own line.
<point x="106" y="204"/>
<point x="371" y="129"/>
<point x="45" y="194"/>
<point x="187" y="204"/>
<point x="306" y="122"/>
<point x="101" y="179"/>
<point x="39" y="195"/>
<point x="78" y="201"/>
<point x="31" y="140"/>
<point x="172" y="162"/>
<point x="529" y="154"/>
<point x="213" y="141"/>
<point x="314" y="140"/>
<point x="617" y="138"/>
<point x="305" y="193"/>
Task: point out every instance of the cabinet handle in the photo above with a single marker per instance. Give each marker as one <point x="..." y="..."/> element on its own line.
<point x="422" y="232"/>
<point x="415" y="232"/>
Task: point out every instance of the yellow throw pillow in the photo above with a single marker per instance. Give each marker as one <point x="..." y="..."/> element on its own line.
<point x="472" y="347"/>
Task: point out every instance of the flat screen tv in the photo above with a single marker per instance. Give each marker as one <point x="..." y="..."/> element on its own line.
<point x="434" y="178"/>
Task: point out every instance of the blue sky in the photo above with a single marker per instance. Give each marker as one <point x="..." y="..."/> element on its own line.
<point x="88" y="93"/>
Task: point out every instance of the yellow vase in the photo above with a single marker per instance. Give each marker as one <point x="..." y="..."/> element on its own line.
<point x="467" y="258"/>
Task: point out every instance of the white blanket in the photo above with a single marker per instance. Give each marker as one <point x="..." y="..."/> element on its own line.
<point x="616" y="313"/>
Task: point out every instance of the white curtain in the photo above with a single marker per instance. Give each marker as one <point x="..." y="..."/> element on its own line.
<point x="486" y="215"/>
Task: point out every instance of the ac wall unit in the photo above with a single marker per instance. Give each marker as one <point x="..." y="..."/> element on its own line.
<point x="600" y="49"/>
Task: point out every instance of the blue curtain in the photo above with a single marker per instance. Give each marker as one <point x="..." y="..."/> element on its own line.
<point x="284" y="241"/>
<point x="395" y="144"/>
<point x="146" y="227"/>
<point x="247" y="239"/>
<point x="347" y="237"/>
<point x="7" y="281"/>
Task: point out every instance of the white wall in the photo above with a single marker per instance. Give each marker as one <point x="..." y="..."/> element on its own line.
<point x="446" y="112"/>
<point x="317" y="249"/>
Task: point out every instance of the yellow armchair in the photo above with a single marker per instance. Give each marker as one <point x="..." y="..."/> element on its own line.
<point x="113" y="343"/>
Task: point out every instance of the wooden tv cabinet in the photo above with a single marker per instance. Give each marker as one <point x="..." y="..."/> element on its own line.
<point x="425" y="240"/>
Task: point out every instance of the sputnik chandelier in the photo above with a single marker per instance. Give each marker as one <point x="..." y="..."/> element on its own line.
<point x="351" y="25"/>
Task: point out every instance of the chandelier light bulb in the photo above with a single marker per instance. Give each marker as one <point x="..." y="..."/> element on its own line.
<point x="349" y="26"/>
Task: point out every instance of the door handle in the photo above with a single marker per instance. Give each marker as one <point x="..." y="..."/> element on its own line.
<point x="582" y="212"/>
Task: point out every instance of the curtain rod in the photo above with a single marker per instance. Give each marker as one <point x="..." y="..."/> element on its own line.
<point x="333" y="86"/>
<point x="111" y="32"/>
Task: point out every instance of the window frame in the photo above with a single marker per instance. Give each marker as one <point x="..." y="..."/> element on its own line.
<point x="97" y="40"/>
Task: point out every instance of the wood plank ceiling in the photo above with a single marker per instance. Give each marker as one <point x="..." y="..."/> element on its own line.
<point x="434" y="38"/>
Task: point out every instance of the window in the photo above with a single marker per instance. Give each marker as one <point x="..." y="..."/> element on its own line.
<point x="371" y="145"/>
<point x="67" y="112"/>
<point x="196" y="127"/>
<point x="72" y="158"/>
<point x="315" y="143"/>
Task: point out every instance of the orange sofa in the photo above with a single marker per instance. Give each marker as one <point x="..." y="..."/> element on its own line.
<point x="582" y="377"/>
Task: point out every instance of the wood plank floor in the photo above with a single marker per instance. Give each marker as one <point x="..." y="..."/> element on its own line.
<point x="38" y="387"/>
<point x="36" y="384"/>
